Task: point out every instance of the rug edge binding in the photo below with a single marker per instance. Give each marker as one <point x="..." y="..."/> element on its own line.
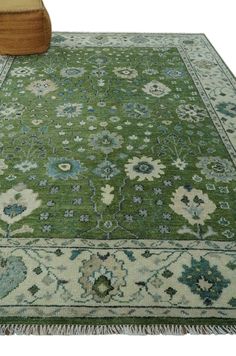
<point x="116" y="329"/>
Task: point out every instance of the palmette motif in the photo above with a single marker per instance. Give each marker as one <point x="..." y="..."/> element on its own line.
<point x="118" y="179"/>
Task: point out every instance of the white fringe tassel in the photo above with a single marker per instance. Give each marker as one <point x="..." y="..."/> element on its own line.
<point x="116" y="329"/>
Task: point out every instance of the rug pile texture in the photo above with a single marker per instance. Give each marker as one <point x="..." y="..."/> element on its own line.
<point x="118" y="187"/>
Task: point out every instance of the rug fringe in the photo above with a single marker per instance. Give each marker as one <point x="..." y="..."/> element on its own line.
<point x="116" y="329"/>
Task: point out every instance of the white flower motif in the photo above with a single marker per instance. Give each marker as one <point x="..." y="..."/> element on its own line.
<point x="192" y="204"/>
<point x="219" y="169"/>
<point x="150" y="71"/>
<point x="133" y="137"/>
<point x="26" y="166"/>
<point x="65" y="142"/>
<point x="101" y="83"/>
<point x="22" y="72"/>
<point x="78" y="139"/>
<point x="69" y="110"/>
<point x="144" y="168"/>
<point x="196" y="178"/>
<point x="17" y="203"/>
<point x="101" y="104"/>
<point x="114" y="119"/>
<point x="178" y="163"/>
<point x="157" y="89"/>
<point x="72" y="72"/>
<point x="125" y="72"/>
<point x="103" y="124"/>
<point x="41" y="87"/>
<point x="3" y="166"/>
<point x="10" y="177"/>
<point x="37" y="122"/>
<point x="191" y="113"/>
<point x="167" y="122"/>
<point x="11" y="111"/>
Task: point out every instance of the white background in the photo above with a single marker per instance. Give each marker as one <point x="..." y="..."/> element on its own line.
<point x="217" y="20"/>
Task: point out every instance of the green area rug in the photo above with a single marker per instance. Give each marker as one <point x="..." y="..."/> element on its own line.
<point x="118" y="187"/>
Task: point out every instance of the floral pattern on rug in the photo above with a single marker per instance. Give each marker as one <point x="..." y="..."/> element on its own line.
<point x="78" y="119"/>
<point x="118" y="180"/>
<point x="90" y="279"/>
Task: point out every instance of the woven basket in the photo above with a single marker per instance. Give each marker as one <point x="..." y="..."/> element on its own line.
<point x="24" y="31"/>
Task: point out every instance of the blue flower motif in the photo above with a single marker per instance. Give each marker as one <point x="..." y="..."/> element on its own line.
<point x="14" y="210"/>
<point x="174" y="73"/>
<point x="106" y="141"/>
<point x="228" y="109"/>
<point x="204" y="280"/>
<point x="106" y="170"/>
<point x="58" y="39"/>
<point x="12" y="272"/>
<point x="63" y="168"/>
<point x="137" y="111"/>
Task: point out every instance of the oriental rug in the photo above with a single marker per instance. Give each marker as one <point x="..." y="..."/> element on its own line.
<point x="118" y="187"/>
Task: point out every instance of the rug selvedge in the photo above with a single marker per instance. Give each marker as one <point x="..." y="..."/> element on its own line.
<point x="118" y="179"/>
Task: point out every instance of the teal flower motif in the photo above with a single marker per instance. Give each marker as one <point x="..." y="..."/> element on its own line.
<point x="228" y="109"/>
<point x="69" y="110"/>
<point x="17" y="203"/>
<point x="14" y="210"/>
<point x="217" y="168"/>
<point x="204" y="280"/>
<point x="106" y="170"/>
<point x="105" y="141"/>
<point x="137" y="111"/>
<point x="26" y="166"/>
<point x="12" y="272"/>
<point x="174" y="73"/>
<point x="58" y="39"/>
<point x="72" y="72"/>
<point x="63" y="168"/>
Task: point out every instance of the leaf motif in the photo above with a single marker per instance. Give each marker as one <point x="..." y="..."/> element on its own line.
<point x="130" y="255"/>
<point x="74" y="254"/>
<point x="107" y="196"/>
